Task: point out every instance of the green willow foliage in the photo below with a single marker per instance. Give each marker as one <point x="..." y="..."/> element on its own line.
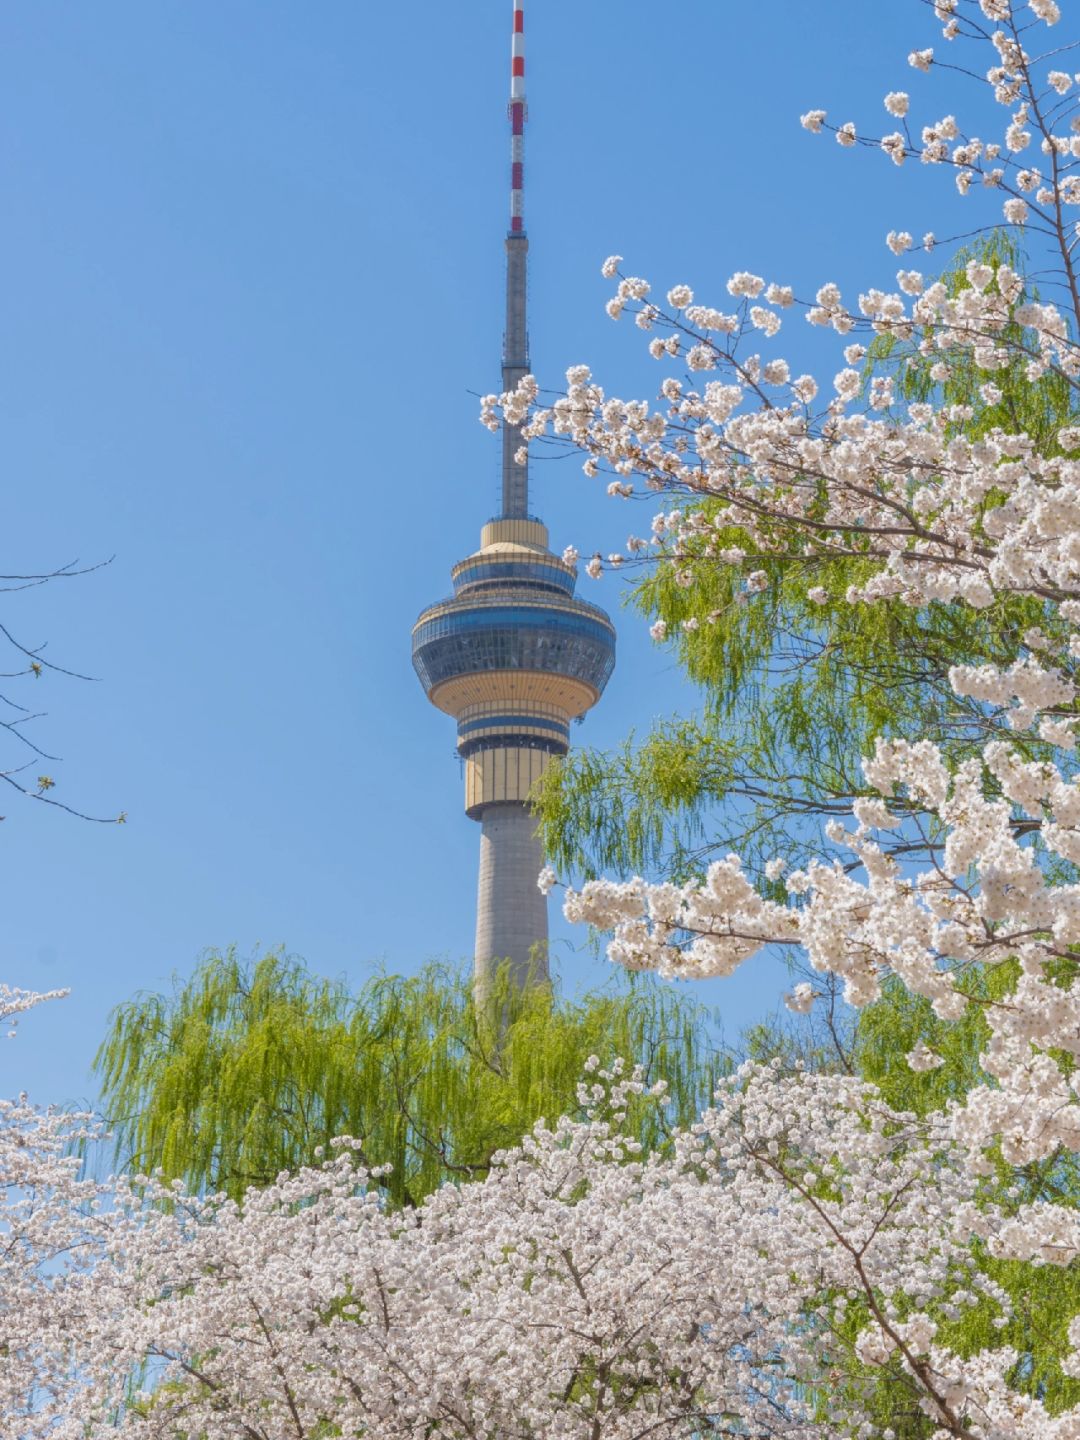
<point x="245" y="1069"/>
<point x="793" y="692"/>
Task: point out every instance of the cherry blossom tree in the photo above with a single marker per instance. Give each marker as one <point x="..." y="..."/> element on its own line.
<point x="794" y="690"/>
<point x="48" y="1213"/>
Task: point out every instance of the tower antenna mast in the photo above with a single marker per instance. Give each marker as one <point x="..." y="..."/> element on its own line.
<point x="515" y="476"/>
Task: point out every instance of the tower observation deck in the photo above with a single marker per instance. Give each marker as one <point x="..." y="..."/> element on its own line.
<point x="512" y="655"/>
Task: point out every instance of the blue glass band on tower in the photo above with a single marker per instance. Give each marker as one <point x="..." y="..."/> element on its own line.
<point x="456" y="639"/>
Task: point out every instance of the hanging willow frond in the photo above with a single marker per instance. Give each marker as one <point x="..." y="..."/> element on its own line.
<point x="246" y="1068"/>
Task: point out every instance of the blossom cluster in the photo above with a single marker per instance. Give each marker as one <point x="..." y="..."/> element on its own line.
<point x="509" y="1308"/>
<point x="49" y="1216"/>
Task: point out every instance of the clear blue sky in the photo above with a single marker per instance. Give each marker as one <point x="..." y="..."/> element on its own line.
<point x="250" y="272"/>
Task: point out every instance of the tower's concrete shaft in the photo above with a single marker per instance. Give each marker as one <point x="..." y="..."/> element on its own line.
<point x="511" y="913"/>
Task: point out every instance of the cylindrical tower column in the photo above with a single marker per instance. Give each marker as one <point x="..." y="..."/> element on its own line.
<point x="511" y="913"/>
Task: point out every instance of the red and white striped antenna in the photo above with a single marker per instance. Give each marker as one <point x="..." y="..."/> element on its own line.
<point x="515" y="473"/>
<point x="517" y="119"/>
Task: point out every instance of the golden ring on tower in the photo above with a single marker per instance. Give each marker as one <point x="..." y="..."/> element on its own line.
<point x="514" y="688"/>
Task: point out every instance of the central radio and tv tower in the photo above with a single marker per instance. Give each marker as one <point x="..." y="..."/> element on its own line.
<point x="513" y="656"/>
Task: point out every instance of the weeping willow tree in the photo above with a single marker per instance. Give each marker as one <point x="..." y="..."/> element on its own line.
<point x="794" y="690"/>
<point x="247" y="1068"/>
